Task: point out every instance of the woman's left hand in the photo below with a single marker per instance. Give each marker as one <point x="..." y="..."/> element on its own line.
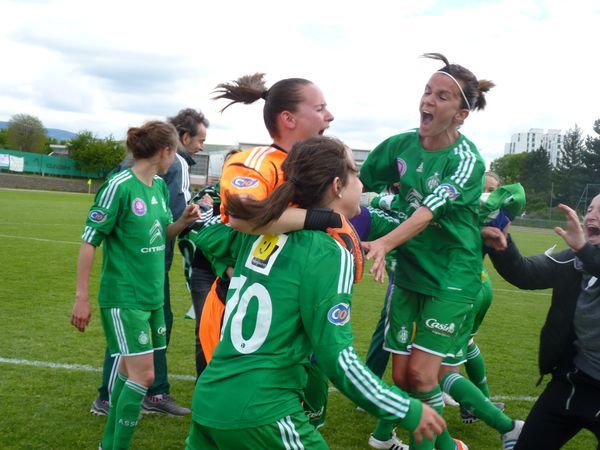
<point x="376" y="250"/>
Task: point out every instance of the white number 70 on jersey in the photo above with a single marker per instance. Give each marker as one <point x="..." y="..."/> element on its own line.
<point x="241" y="301"/>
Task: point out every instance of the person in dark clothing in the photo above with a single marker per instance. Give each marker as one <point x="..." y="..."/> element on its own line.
<point x="570" y="337"/>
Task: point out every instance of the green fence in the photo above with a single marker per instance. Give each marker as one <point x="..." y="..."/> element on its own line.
<point x="15" y="161"/>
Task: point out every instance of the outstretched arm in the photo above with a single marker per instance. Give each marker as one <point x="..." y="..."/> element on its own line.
<point x="408" y="229"/>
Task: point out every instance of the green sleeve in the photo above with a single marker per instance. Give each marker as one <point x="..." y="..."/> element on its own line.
<point x="325" y="305"/>
<point x="220" y="244"/>
<point x="462" y="183"/>
<point x="104" y="213"/>
<point x="380" y="169"/>
<point x="381" y="223"/>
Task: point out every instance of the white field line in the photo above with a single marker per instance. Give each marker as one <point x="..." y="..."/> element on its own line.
<point x="86" y="368"/>
<point x="39" y="239"/>
<point x="72" y="367"/>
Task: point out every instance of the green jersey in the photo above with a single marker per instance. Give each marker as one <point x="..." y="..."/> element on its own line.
<point x="444" y="260"/>
<point x="131" y="219"/>
<point x="290" y="297"/>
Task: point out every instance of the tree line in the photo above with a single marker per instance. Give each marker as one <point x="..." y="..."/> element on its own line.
<point x="27" y="133"/>
<point x="577" y="171"/>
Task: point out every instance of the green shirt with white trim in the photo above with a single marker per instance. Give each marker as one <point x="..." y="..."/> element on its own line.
<point x="130" y="218"/>
<point x="444" y="260"/>
<point x="290" y="296"/>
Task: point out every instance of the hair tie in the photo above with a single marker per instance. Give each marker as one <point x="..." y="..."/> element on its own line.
<point x="459" y="88"/>
<point x="293" y="180"/>
<point x="264" y="94"/>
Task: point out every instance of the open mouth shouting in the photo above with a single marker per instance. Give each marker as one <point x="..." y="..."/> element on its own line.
<point x="593" y="232"/>
<point x="426" y="117"/>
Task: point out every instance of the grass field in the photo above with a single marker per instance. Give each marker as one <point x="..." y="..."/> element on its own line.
<point x="49" y="372"/>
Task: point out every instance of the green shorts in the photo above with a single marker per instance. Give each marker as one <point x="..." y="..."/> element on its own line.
<point x="132" y="332"/>
<point x="480" y="309"/>
<point x="434" y="325"/>
<point x="290" y="432"/>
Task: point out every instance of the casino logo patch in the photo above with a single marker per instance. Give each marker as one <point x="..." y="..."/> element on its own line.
<point x="97" y="216"/>
<point x="339" y="314"/>
<point x="451" y="190"/>
<point x="139" y="207"/>
<point x="244" y="182"/>
<point x="401" y="164"/>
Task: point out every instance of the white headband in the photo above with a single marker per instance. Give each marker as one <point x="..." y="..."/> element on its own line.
<point x="459" y="88"/>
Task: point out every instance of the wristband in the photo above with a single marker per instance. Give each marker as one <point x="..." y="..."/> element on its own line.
<point x="321" y="219"/>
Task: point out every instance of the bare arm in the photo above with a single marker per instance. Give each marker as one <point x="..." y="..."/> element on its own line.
<point x="81" y="314"/>
<point x="292" y="219"/>
<point x="377" y="249"/>
<point x="190" y="214"/>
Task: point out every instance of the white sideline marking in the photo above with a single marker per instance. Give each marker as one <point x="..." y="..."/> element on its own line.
<point x="74" y="367"/>
<point x="39" y="239"/>
<point x="86" y="368"/>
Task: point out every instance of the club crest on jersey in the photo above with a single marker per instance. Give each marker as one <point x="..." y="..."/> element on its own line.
<point x="433" y="181"/>
<point x="264" y="252"/>
<point x="244" y="182"/>
<point x="97" y="216"/>
<point x="451" y="190"/>
<point x="139" y="207"/>
<point x="401" y="164"/>
<point x="339" y="314"/>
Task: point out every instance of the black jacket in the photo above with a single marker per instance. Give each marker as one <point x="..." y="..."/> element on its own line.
<point x="556" y="271"/>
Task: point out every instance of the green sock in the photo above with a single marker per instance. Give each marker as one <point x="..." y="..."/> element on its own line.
<point x="475" y="367"/>
<point x="470" y="397"/>
<point x="127" y="413"/>
<point x="109" y="427"/>
<point x="432" y="398"/>
<point x="383" y="430"/>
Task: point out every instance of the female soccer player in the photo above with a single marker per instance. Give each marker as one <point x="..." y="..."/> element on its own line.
<point x="290" y="296"/>
<point x="438" y="274"/>
<point x="294" y="109"/>
<point x="130" y="215"/>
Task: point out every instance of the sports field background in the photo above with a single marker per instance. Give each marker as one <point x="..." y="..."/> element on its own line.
<point x="49" y="372"/>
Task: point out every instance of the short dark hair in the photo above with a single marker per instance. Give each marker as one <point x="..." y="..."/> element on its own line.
<point x="187" y="121"/>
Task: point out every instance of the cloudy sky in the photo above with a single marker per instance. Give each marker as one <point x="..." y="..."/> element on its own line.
<point x="105" y="66"/>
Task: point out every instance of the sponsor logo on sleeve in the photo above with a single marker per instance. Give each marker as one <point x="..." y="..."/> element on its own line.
<point x="97" y="216"/>
<point x="451" y="190"/>
<point x="339" y="314"/>
<point x="244" y="182"/>
<point x="139" y="207"/>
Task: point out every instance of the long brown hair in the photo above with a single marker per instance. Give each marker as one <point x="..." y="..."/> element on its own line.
<point x="285" y="95"/>
<point x="473" y="88"/>
<point x="309" y="169"/>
